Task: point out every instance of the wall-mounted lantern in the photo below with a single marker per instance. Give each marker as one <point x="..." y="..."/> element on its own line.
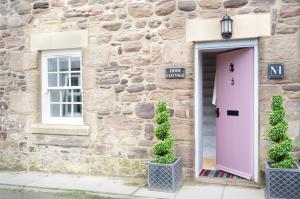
<point x="226" y="27"/>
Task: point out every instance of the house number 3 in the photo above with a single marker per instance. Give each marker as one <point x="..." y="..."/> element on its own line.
<point x="232" y="82"/>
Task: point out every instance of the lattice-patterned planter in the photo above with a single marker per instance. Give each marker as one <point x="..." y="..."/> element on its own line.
<point x="165" y="177"/>
<point x="282" y="183"/>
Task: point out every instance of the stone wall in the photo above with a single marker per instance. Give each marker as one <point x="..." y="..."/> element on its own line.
<point x="130" y="45"/>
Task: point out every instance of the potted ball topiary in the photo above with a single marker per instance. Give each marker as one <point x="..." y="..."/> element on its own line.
<point x="282" y="171"/>
<point x="165" y="170"/>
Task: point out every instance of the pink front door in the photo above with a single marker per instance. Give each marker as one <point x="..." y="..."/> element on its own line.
<point x="234" y="123"/>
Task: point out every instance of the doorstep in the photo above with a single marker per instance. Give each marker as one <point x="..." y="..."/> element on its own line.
<point x="120" y="188"/>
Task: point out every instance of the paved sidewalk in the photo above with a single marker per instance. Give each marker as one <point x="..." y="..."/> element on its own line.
<point x="121" y="189"/>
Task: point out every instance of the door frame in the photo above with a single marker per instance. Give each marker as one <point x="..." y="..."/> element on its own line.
<point x="200" y="48"/>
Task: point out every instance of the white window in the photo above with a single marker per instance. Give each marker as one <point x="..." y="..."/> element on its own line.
<point x="62" y="87"/>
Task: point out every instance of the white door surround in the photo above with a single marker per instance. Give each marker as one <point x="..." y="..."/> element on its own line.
<point x="200" y="48"/>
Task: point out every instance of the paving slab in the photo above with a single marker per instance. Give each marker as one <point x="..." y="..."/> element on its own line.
<point x="52" y="181"/>
<point x="117" y="188"/>
<point x="145" y="193"/>
<point x="85" y="183"/>
<point x="23" y="179"/>
<point x="244" y="193"/>
<point x="4" y="177"/>
<point x="201" y="191"/>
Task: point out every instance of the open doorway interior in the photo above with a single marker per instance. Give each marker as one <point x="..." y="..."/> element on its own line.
<point x="209" y="108"/>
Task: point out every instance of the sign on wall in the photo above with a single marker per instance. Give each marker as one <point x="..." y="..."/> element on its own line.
<point x="175" y="73"/>
<point x="275" y="71"/>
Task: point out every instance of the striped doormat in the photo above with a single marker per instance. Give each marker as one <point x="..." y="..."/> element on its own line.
<point x="218" y="174"/>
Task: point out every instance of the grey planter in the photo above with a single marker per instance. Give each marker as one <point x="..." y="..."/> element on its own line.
<point x="165" y="177"/>
<point x="282" y="183"/>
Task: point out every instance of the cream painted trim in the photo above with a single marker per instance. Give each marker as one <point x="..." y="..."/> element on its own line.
<point x="51" y="129"/>
<point x="244" y="26"/>
<point x="59" y="40"/>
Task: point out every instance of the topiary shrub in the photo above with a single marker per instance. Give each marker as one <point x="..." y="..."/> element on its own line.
<point x="280" y="152"/>
<point x="163" y="150"/>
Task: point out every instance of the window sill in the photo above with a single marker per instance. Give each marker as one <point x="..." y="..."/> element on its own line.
<point x="58" y="129"/>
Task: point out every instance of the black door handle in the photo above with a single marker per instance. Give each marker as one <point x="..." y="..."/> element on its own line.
<point x="218" y="112"/>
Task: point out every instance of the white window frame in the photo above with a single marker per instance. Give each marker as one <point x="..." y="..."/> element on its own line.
<point x="46" y="118"/>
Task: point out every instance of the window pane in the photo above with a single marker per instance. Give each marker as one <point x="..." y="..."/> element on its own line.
<point x="64" y="79"/>
<point x="76" y="95"/>
<point x="52" y="65"/>
<point x="66" y="95"/>
<point x="55" y="110"/>
<point x="75" y="79"/>
<point x="52" y="79"/>
<point x="75" y="64"/>
<point x="77" y="110"/>
<point x="54" y="95"/>
<point x="64" y="64"/>
<point x="66" y="110"/>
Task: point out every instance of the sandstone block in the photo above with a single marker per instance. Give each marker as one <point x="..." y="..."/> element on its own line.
<point x="182" y="130"/>
<point x="137" y="79"/>
<point x="140" y="9"/>
<point x="96" y="56"/>
<point x="101" y="101"/>
<point x="187" y="5"/>
<point x="289" y="10"/>
<point x="234" y="3"/>
<point x="165" y="7"/>
<point x="130" y="98"/>
<point x="109" y="78"/>
<point x="66" y="141"/>
<point x="18" y="21"/>
<point x="58" y="3"/>
<point x="177" y="52"/>
<point x="161" y="95"/>
<point x="262" y="2"/>
<point x="134" y="88"/>
<point x="150" y="87"/>
<point x="149" y="131"/>
<point x="184" y="110"/>
<point x="119" y="88"/>
<point x="133" y="46"/>
<point x="129" y="141"/>
<point x="212" y="13"/>
<point x="130" y="35"/>
<point x="291" y="87"/>
<point x="116" y="122"/>
<point x="270" y="48"/>
<point x="33" y="81"/>
<point x="145" y="110"/>
<point x="3" y="136"/>
<point x="284" y="29"/>
<point x="137" y="153"/>
<point x="30" y="102"/>
<point x="171" y="33"/>
<point x="208" y="4"/>
<point x="77" y="2"/>
<point x="3" y="23"/>
<point x="41" y="5"/>
<point x="154" y="23"/>
<point x="262" y="9"/>
<point x="23" y="8"/>
<point x="81" y="12"/>
<point x="89" y="78"/>
<point x="186" y="152"/>
<point x="112" y="26"/>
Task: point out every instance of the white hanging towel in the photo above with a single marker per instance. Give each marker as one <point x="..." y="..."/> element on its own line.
<point x="214" y="98"/>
